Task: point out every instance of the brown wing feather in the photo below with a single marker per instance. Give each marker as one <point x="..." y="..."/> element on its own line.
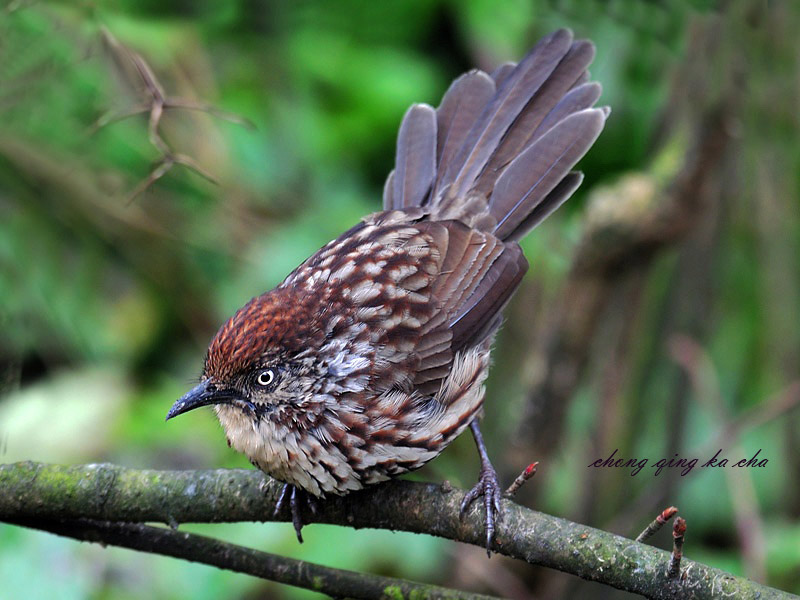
<point x="429" y="287"/>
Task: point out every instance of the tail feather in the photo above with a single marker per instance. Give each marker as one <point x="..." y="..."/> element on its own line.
<point x="388" y="192"/>
<point x="501" y="73"/>
<point x="560" y="194"/>
<point x="497" y="154"/>
<point x="415" y="168"/>
<point x="461" y="107"/>
<point x="529" y="124"/>
<point x="533" y="174"/>
<point x="500" y="113"/>
<point x="578" y="98"/>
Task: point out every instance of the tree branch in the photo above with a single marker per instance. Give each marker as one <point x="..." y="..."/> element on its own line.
<point x="111" y="493"/>
<point x="201" y="549"/>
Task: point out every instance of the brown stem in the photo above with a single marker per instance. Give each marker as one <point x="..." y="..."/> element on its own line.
<point x="678" y="533"/>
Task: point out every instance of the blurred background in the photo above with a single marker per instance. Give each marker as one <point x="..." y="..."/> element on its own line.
<point x="659" y="316"/>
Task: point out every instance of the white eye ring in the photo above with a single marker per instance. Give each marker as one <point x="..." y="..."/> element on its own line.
<point x="266" y="377"/>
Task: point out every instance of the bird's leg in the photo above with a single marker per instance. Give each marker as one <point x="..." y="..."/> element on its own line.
<point x="294" y="505"/>
<point x="487" y="486"/>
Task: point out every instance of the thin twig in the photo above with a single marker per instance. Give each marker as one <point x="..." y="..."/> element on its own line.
<point x="678" y="533"/>
<point x="156" y="103"/>
<point x="526" y="474"/>
<point x="657" y="523"/>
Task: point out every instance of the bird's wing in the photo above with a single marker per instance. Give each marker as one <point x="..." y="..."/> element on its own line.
<point x="415" y="291"/>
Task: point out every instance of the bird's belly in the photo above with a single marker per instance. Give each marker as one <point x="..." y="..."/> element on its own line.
<point x="289" y="455"/>
<point x="392" y="434"/>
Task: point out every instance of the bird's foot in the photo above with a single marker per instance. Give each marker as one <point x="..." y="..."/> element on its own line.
<point x="295" y="497"/>
<point x="489" y="487"/>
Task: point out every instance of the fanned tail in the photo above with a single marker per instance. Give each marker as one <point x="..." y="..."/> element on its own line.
<point x="497" y="153"/>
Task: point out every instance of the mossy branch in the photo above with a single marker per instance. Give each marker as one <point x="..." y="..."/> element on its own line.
<point x="34" y="492"/>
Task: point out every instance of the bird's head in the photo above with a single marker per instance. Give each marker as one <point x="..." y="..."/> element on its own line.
<point x="259" y="361"/>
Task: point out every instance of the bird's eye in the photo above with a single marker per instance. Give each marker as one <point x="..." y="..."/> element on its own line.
<point x="266" y="377"/>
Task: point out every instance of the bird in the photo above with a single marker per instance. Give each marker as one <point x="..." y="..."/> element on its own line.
<point x="370" y="357"/>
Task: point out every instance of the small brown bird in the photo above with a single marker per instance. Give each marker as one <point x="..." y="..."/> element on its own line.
<point x="370" y="357"/>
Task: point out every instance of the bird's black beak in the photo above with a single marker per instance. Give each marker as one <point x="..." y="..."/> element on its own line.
<point x="203" y="394"/>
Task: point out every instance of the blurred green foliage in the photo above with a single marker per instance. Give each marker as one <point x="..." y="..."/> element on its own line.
<point x="107" y="303"/>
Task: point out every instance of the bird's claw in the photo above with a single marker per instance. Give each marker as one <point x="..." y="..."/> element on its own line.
<point x="281" y="499"/>
<point x="294" y="505"/>
<point x="489" y="487"/>
<point x="291" y="492"/>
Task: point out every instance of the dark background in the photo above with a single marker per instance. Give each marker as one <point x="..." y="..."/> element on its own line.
<point x="659" y="316"/>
